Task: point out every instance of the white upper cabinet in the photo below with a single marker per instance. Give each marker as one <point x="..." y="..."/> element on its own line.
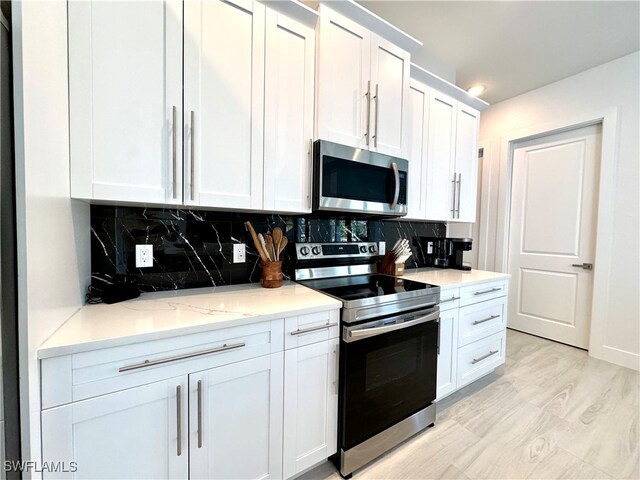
<point x="223" y="103"/>
<point x="440" y="157"/>
<point x="288" y="113"/>
<point x="466" y="164"/>
<point x="363" y="86"/>
<point x="344" y="83"/>
<point x="390" y="89"/>
<point x="125" y="100"/>
<point x="419" y="96"/>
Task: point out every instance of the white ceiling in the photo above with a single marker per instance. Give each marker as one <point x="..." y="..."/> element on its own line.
<point x="514" y="47"/>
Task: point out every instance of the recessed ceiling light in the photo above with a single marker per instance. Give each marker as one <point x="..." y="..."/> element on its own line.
<point x="476" y="90"/>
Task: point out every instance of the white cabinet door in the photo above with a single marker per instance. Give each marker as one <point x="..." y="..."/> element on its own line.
<point x="310" y="405"/>
<point x="136" y="433"/>
<point x="288" y="129"/>
<point x="235" y="420"/>
<point x="390" y="91"/>
<point x="344" y="69"/>
<point x="224" y="103"/>
<point x="125" y="100"/>
<point x="448" y="352"/>
<point x="417" y="149"/>
<point x="466" y="165"/>
<point x="440" y="157"/>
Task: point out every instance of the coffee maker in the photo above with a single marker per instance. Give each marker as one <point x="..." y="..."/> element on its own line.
<point x="444" y="252"/>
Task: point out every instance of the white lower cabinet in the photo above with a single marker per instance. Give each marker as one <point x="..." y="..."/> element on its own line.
<point x="135" y="433"/>
<point x="235" y="420"/>
<point x="310" y="405"/>
<point x="472" y="334"/>
<point x="246" y="409"/>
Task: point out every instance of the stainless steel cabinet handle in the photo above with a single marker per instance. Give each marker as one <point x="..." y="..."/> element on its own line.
<point x="449" y="300"/>
<point x="149" y="363"/>
<point x="396" y="179"/>
<point x="193" y="154"/>
<point x="175" y="152"/>
<point x="495" y="289"/>
<point x="368" y="95"/>
<point x="477" y="322"/>
<point x="179" y="420"/>
<point x="453" y="206"/>
<point x="337" y="378"/>
<point x="459" y="192"/>
<point x="300" y="331"/>
<point x="584" y="266"/>
<point x="375" y="125"/>
<point x="199" y="413"/>
<point x="476" y="360"/>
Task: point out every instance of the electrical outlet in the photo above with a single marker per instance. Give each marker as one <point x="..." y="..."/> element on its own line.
<point x="144" y="256"/>
<point x="382" y="248"/>
<point x="239" y="253"/>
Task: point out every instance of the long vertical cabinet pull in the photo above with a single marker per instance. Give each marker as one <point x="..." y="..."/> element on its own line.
<point x="459" y="182"/>
<point x="193" y="154"/>
<point x="199" y="413"/>
<point x="368" y="95"/>
<point x="375" y="125"/>
<point x="179" y="420"/>
<point x="453" y="205"/>
<point x="175" y="151"/>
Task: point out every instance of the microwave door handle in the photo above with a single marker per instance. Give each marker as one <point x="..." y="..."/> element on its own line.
<point x="396" y="179"/>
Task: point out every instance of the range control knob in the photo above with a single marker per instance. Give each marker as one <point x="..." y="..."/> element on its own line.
<point x="315" y="250"/>
<point x="372" y="249"/>
<point x="363" y="249"/>
<point x="304" y="251"/>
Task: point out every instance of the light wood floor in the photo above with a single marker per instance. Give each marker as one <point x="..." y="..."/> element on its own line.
<point x="551" y="412"/>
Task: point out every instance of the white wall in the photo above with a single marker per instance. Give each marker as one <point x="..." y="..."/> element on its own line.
<point x="614" y="84"/>
<point x="53" y="231"/>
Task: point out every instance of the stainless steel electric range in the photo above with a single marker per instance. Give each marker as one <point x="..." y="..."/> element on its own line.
<point x="388" y="350"/>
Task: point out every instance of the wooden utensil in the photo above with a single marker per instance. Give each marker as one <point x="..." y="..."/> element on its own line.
<point x="283" y="243"/>
<point x="277" y="237"/>
<point x="271" y="250"/>
<point x="263" y="244"/>
<point x="256" y="242"/>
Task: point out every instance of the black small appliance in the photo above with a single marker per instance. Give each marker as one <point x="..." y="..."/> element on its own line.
<point x="444" y="252"/>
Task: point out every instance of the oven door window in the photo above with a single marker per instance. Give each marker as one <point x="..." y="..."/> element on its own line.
<point x="360" y="181"/>
<point x="386" y="379"/>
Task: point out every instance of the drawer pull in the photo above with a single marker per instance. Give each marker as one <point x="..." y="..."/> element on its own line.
<point x="179" y="420"/>
<point x="494" y="289"/>
<point x="300" y="331"/>
<point x="477" y="322"/>
<point x="452" y="299"/>
<point x="476" y="360"/>
<point x="150" y="363"/>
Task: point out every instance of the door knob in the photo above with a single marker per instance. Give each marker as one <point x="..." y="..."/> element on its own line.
<point x="584" y="266"/>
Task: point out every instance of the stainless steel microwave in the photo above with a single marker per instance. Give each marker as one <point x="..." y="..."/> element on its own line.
<point x="353" y="180"/>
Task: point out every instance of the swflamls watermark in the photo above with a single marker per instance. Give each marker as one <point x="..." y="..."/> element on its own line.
<point x="39" y="467"/>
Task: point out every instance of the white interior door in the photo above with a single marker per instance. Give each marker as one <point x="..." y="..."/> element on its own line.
<point x="553" y="224"/>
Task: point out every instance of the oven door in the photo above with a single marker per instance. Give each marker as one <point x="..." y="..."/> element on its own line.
<point x="388" y="373"/>
<point x="350" y="179"/>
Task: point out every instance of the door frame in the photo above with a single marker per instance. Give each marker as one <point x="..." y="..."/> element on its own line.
<point x="609" y="119"/>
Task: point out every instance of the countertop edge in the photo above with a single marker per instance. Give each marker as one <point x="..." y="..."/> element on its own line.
<point x="45" y="352"/>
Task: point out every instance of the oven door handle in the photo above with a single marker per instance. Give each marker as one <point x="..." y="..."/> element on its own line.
<point x="396" y="179"/>
<point x="355" y="335"/>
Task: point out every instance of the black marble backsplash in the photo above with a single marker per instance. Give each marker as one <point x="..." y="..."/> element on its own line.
<point x="194" y="248"/>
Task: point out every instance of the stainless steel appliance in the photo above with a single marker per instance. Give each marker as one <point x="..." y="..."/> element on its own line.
<point x="444" y="252"/>
<point x="388" y="351"/>
<point x="353" y="180"/>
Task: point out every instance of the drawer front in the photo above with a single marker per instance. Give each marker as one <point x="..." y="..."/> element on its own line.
<point x="449" y="298"/>
<point x="481" y="320"/>
<point x="88" y="374"/>
<point x="483" y="291"/>
<point x="479" y="358"/>
<point x="307" y="329"/>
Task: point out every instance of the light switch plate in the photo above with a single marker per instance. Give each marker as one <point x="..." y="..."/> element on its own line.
<point x="144" y="256"/>
<point x="382" y="248"/>
<point x="239" y="253"/>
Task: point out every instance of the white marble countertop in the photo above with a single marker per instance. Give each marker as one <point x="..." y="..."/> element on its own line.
<point x="166" y="314"/>
<point x="452" y="278"/>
